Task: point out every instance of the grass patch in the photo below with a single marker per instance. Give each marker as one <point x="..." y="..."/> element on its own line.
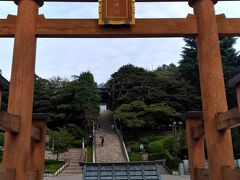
<point x="51" y="166"/>
<point x="89" y="154"/>
<point x="134" y="156"/>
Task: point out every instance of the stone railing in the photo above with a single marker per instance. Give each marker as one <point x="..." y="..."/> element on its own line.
<point x="58" y="171"/>
<point x="124" y="149"/>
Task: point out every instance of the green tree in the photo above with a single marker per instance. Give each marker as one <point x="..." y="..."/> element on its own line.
<point x="60" y="141"/>
<point x="188" y="65"/>
<point x="137" y="115"/>
<point x="86" y="99"/>
<point x="131" y="83"/>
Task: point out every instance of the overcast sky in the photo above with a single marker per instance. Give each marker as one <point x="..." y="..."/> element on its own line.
<point x="66" y="57"/>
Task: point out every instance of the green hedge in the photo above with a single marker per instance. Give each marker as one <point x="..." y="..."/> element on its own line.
<point x="1" y="139"/>
<point x="89" y="155"/>
<point x="133" y="156"/>
<point x="51" y="166"/>
<point x="76" y="143"/>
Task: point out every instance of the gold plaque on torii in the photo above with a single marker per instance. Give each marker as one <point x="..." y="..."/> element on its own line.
<point x="116" y="12"/>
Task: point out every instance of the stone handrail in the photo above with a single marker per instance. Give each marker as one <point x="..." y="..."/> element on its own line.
<point x="94" y="145"/>
<point x="119" y="133"/>
<point x="58" y="171"/>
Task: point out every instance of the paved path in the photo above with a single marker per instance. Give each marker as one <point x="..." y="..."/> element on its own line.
<point x="111" y="150"/>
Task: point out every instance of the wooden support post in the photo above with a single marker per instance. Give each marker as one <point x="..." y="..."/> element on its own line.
<point x="219" y="144"/>
<point x="9" y="123"/>
<point x="38" y="149"/>
<point x="202" y="174"/>
<point x="235" y="82"/>
<point x="198" y="131"/>
<point x="17" y="147"/>
<point x="230" y="174"/>
<point x="9" y="174"/>
<point x="228" y="120"/>
<point x="0" y="98"/>
<point x="238" y="95"/>
<point x="195" y="146"/>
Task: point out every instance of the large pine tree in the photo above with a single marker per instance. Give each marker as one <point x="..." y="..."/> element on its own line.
<point x="188" y="65"/>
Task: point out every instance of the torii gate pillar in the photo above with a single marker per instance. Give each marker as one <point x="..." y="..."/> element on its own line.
<point x="219" y="144"/>
<point x="17" y="147"/>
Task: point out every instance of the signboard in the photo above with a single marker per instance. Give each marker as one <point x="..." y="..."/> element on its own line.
<point x="116" y="12"/>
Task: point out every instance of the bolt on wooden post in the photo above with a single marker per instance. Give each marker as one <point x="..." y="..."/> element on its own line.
<point x="17" y="146"/>
<point x="219" y="144"/>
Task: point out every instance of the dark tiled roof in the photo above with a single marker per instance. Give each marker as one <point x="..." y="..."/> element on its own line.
<point x="234" y="81"/>
<point x="3" y="82"/>
<point x="122" y="171"/>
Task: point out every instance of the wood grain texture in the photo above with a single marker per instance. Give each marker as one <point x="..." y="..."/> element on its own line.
<point x="17" y="147"/>
<point x="195" y="147"/>
<point x="9" y="122"/>
<point x="0" y="98"/>
<point x="238" y="95"/>
<point x="7" y="26"/>
<point x="198" y="131"/>
<point x="230" y="173"/>
<point x="219" y="145"/>
<point x="89" y="28"/>
<point x="36" y="133"/>
<point x="38" y="149"/>
<point x="135" y="0"/>
<point x="202" y="174"/>
<point x="228" y="120"/>
<point x="8" y="175"/>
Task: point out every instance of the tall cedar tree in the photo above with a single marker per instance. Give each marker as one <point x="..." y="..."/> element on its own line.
<point x="188" y="65"/>
<point x="86" y="98"/>
<point x="188" y="68"/>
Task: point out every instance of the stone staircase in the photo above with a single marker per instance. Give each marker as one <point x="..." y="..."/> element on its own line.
<point x="73" y="168"/>
<point x="112" y="149"/>
<point x="73" y="156"/>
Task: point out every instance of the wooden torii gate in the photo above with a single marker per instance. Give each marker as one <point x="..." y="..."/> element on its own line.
<point x="19" y="153"/>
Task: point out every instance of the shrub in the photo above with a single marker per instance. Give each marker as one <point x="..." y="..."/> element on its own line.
<point x="89" y="155"/>
<point x="76" y="143"/>
<point x="1" y="139"/>
<point x="155" y="147"/>
<point x="133" y="156"/>
<point x="172" y="163"/>
<point x="156" y="156"/>
<point x="144" y="141"/>
<point x="153" y="138"/>
<point x="135" y="147"/>
<point x="51" y="166"/>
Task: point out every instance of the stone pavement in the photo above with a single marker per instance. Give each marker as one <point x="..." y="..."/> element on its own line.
<point x="171" y="177"/>
<point x="73" y="156"/>
<point x="112" y="149"/>
<point x="73" y="177"/>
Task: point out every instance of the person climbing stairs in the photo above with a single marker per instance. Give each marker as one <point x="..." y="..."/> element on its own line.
<point x="111" y="150"/>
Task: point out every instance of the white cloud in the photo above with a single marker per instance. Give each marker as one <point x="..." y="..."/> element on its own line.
<point x="102" y="57"/>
